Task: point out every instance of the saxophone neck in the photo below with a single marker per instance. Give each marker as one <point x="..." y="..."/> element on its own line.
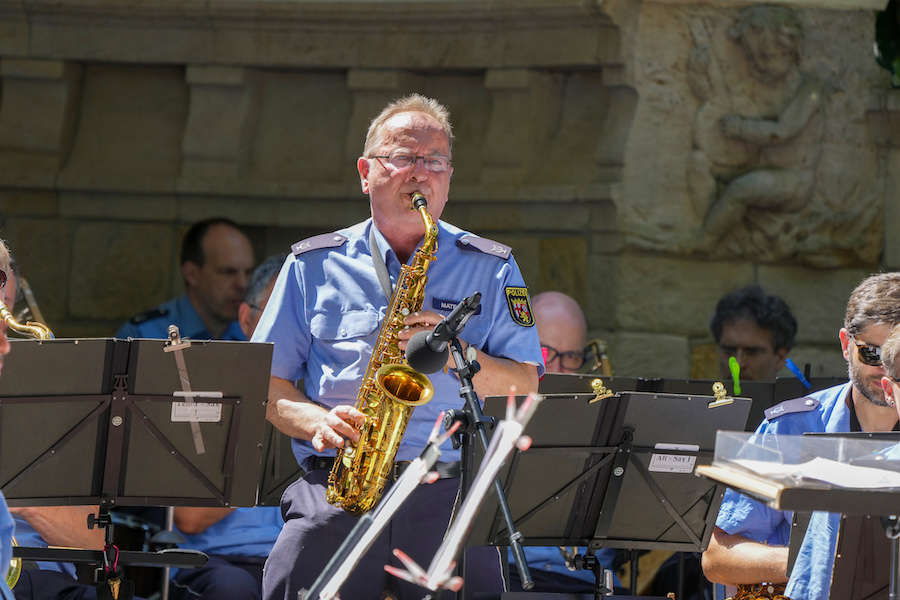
<point x="429" y="243"/>
<point x="36" y="330"/>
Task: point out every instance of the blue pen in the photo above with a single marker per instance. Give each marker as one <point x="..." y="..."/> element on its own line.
<point x="797" y="372"/>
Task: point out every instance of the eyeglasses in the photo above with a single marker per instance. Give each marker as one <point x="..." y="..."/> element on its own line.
<point x="400" y="160"/>
<point x="868" y="354"/>
<point x="571" y="360"/>
<point x="2" y="279"/>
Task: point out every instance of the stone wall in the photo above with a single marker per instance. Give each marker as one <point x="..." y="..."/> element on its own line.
<point x="579" y="131"/>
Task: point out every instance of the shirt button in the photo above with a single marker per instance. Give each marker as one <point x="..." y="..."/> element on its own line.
<point x="809" y="402"/>
<point x="343" y="332"/>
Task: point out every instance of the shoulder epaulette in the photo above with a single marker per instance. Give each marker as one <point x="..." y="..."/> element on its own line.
<point x="324" y="240"/>
<point x="797" y="405"/>
<point x="153" y="313"/>
<point x="485" y="245"/>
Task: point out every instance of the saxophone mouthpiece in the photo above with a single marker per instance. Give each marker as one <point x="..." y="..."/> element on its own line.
<point x="418" y="200"/>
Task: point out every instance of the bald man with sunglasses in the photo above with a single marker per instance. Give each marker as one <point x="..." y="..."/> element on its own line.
<point x="749" y="544"/>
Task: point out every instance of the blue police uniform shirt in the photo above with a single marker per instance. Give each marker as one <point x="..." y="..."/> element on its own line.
<point x="244" y="532"/>
<point x="811" y="576"/>
<point x="549" y="559"/>
<point x="327" y="305"/>
<point x="7" y="527"/>
<point x="154" y="324"/>
<point x="752" y="519"/>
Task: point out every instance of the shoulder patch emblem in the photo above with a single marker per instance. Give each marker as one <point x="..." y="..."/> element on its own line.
<point x="325" y="240"/>
<point x="485" y="245"/>
<point x="153" y="313"/>
<point x="797" y="405"/>
<point x="519" y="305"/>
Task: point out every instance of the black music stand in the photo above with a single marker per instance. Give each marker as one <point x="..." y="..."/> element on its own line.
<point x="100" y="421"/>
<point x="614" y="473"/>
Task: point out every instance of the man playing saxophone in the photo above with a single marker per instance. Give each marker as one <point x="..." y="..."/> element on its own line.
<point x="323" y="317"/>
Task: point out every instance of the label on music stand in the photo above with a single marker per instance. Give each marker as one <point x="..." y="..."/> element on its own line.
<point x="200" y="412"/>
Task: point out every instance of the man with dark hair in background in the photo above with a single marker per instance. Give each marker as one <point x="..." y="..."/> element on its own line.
<point x="216" y="261"/>
<point x="749" y="543"/>
<point x="755" y="328"/>
<point x="237" y="540"/>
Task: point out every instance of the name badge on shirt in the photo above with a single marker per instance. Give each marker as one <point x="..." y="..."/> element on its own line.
<point x="448" y="305"/>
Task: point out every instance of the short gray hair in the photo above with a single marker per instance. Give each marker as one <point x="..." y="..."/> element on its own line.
<point x="410" y="103"/>
<point x="261" y="278"/>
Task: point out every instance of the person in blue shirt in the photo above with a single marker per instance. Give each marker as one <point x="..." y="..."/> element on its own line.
<point x="562" y="330"/>
<point x="749" y="543"/>
<point x="811" y="576"/>
<point x="6" y="522"/>
<point x="324" y="317"/>
<point x="216" y="262"/>
<point x="237" y="540"/>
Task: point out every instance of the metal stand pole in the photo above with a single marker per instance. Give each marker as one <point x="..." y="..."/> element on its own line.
<point x="473" y="423"/>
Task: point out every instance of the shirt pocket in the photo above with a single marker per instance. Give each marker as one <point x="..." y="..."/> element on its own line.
<point x="337" y="327"/>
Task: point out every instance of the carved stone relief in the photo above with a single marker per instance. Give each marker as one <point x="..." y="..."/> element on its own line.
<point x="778" y="166"/>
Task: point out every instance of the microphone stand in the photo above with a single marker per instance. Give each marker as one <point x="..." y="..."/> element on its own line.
<point x="472" y="423"/>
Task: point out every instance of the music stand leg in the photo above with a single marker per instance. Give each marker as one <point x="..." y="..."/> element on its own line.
<point x="167" y="571"/>
<point x="633" y="576"/>
<point x="892" y="531"/>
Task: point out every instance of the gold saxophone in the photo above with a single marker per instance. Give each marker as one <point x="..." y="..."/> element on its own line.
<point x="33" y="329"/>
<point x="390" y="390"/>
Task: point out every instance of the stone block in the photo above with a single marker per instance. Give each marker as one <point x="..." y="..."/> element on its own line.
<point x="564" y="262"/>
<point x="223" y="111"/>
<point x="321" y="215"/>
<point x="818" y="298"/>
<point x="246" y="211"/>
<point x="671" y="295"/>
<point x="119" y="206"/>
<point x="130" y="128"/>
<point x="28" y="203"/>
<point x="37" y="118"/>
<point x="302" y="127"/>
<point x="704" y="361"/>
<point x="41" y="247"/>
<point x="635" y="354"/>
<point x="131" y="264"/>
<point x="892" y="213"/>
<point x="600" y="281"/>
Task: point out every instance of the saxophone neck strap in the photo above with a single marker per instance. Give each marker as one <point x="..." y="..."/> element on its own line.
<point x="384" y="277"/>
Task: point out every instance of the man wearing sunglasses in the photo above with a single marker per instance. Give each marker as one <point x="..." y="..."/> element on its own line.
<point x="749" y="543"/>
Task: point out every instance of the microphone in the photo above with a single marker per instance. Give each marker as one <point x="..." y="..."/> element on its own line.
<point x="427" y="350"/>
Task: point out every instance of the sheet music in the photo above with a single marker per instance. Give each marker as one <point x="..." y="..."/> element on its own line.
<point x="828" y="471"/>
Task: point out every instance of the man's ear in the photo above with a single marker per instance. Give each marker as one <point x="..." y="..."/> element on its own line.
<point x="189" y="271"/>
<point x="362" y="166"/>
<point x="845" y="343"/>
<point x="244" y="315"/>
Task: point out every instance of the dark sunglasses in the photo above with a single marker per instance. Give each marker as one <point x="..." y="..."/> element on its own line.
<point x="868" y="354"/>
